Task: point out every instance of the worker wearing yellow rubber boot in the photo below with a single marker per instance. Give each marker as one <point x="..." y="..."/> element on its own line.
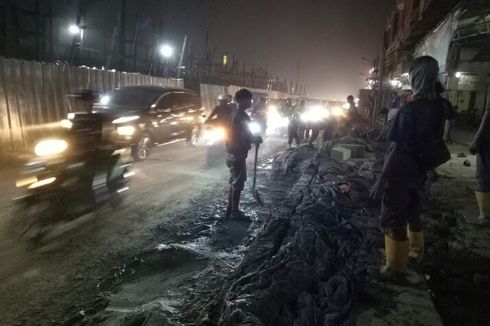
<point x="481" y="147"/>
<point x="404" y="173"/>
<point x="416" y="242"/>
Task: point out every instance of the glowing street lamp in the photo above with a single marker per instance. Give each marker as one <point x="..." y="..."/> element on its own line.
<point x="74" y="29"/>
<point x="166" y="51"/>
<point x="77" y="30"/>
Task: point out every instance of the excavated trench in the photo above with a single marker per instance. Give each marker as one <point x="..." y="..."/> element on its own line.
<point x="308" y="258"/>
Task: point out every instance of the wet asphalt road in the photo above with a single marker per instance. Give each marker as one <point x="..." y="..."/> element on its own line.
<point x="36" y="284"/>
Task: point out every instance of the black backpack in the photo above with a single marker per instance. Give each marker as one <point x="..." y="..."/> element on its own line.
<point x="432" y="151"/>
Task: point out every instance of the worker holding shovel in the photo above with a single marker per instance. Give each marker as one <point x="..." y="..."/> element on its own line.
<point x="238" y="143"/>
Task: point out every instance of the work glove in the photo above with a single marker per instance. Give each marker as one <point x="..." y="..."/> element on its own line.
<point x="448" y="140"/>
<point x="474" y="148"/>
<point x="258" y="140"/>
<point x="378" y="189"/>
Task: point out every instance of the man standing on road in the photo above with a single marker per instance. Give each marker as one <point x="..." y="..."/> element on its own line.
<point x="404" y="173"/>
<point x="353" y="114"/>
<point x="238" y="144"/>
<point x="294" y="122"/>
<point x="303" y="128"/>
<point x="481" y="147"/>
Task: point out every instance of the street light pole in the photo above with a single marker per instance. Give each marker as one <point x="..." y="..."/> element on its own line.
<point x="167" y="52"/>
<point x="181" y="61"/>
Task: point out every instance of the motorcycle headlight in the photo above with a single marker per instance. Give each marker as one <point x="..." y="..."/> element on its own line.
<point x="126" y="130"/>
<point x="255" y="128"/>
<point x="214" y="135"/>
<point x="49" y="147"/>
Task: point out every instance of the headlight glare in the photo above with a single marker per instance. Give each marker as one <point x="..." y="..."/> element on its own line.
<point x="49" y="147"/>
<point x="125" y="119"/>
<point x="126" y="130"/>
<point x="255" y="128"/>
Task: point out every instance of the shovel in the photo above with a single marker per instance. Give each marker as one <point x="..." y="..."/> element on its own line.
<point x="255" y="193"/>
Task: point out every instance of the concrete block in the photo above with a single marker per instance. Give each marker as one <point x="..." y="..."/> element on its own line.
<point x="357" y="151"/>
<point x="340" y="153"/>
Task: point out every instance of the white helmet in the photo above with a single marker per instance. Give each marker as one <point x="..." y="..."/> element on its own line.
<point x="224" y="97"/>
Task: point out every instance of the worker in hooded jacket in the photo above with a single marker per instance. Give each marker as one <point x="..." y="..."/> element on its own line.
<point x="403" y="174"/>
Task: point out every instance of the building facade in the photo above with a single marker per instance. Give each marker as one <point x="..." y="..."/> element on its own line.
<point x="456" y="33"/>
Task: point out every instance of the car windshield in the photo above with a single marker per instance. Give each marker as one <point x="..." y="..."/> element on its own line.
<point x="129" y="99"/>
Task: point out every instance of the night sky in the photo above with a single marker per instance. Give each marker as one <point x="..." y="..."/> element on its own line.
<point x="327" y="36"/>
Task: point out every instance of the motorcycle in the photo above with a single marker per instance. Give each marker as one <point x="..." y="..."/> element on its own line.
<point x="213" y="136"/>
<point x="277" y="122"/>
<point x="60" y="186"/>
<point x="258" y="124"/>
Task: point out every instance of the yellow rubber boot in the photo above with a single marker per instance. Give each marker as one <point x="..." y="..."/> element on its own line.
<point x="483" y="199"/>
<point x="416" y="241"/>
<point x="396" y="255"/>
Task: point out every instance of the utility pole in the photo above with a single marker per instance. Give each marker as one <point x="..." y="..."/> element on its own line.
<point x="181" y="61"/>
<point x="298" y="69"/>
<point x="135" y="44"/>
<point x="74" y="43"/>
<point x="380" y="76"/>
<point x="51" y="39"/>
<point x="122" y="37"/>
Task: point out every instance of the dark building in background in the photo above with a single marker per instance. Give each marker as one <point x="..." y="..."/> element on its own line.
<point x="126" y="36"/>
<point x="456" y="33"/>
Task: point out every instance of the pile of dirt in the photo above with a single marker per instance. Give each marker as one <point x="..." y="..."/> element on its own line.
<point x="310" y="257"/>
<point x="310" y="263"/>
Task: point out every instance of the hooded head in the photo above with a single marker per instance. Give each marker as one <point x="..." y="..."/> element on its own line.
<point x="423" y="77"/>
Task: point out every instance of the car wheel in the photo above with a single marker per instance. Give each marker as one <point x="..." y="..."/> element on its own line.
<point x="141" y="150"/>
<point x="193" y="139"/>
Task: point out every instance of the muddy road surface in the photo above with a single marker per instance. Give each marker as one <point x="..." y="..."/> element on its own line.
<point x="54" y="283"/>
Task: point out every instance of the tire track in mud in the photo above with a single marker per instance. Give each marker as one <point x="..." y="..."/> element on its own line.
<point x="174" y="279"/>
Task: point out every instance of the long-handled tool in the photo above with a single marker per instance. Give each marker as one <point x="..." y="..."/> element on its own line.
<point x="255" y="193"/>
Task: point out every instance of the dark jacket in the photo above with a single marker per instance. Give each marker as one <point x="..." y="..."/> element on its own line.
<point x="239" y="137"/>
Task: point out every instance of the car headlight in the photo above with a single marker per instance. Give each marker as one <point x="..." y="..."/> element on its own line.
<point x="49" y="147"/>
<point x="338" y="112"/>
<point x="126" y="130"/>
<point x="125" y="119"/>
<point x="65" y="123"/>
<point x="42" y="183"/>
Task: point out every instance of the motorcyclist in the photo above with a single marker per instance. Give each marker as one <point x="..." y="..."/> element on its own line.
<point x="316" y="126"/>
<point x="287" y="108"/>
<point x="221" y="113"/>
<point x="87" y="141"/>
<point x="353" y="112"/>
<point x="259" y="113"/>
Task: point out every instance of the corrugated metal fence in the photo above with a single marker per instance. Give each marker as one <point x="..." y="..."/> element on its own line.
<point x="34" y="94"/>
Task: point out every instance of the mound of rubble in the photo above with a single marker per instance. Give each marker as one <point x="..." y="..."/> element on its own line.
<point x="310" y="257"/>
<point x="313" y="261"/>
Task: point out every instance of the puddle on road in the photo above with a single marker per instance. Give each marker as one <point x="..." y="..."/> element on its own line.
<point x="174" y="280"/>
